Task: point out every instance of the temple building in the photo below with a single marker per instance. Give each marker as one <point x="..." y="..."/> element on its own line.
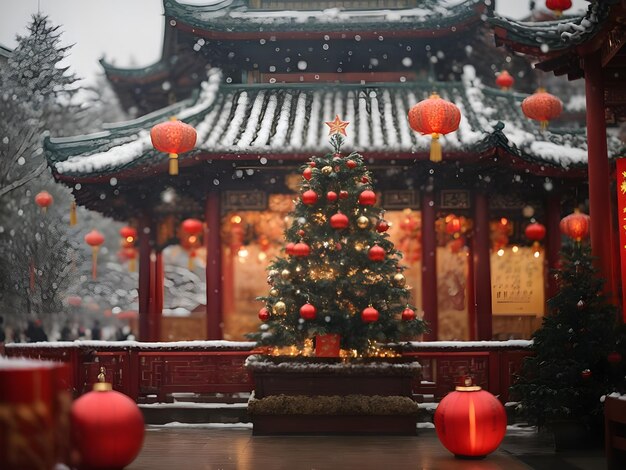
<point x="258" y="78"/>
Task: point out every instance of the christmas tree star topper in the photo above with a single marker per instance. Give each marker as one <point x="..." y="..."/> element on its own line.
<point x="337" y="126"/>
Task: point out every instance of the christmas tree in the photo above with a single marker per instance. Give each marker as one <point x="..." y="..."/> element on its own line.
<point x="340" y="274"/>
<point x="569" y="371"/>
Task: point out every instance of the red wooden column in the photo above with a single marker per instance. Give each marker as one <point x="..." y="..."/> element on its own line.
<point x="157" y="312"/>
<point x="482" y="267"/>
<point x="470" y="289"/>
<point x="145" y="268"/>
<point x="429" y="265"/>
<point x="553" y="240"/>
<point x="598" y="169"/>
<point x="214" y="288"/>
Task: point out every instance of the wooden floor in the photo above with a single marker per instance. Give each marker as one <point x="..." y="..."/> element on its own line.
<point x="190" y="449"/>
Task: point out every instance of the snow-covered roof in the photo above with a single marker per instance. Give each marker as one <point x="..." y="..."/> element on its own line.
<point x="235" y="16"/>
<point x="273" y="121"/>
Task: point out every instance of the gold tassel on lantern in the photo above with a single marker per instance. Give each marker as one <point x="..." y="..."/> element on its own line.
<point x="173" y="164"/>
<point x="73" y="218"/>
<point x="435" y="148"/>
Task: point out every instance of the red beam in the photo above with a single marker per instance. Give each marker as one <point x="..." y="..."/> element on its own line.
<point x="145" y="250"/>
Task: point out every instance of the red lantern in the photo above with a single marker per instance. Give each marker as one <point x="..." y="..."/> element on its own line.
<point x="264" y="314"/>
<point x="173" y="137"/>
<point x="129" y="235"/>
<point x="470" y="422"/>
<point x="575" y="226"/>
<point x="382" y="226"/>
<point x="339" y="221"/>
<point x="309" y="197"/>
<point x="434" y="116"/>
<point x="535" y="232"/>
<point x="367" y="198"/>
<point x="307" y="173"/>
<point x="542" y="106"/>
<point x="408" y="314"/>
<point x="308" y="311"/>
<point x="107" y="428"/>
<point x="558" y="6"/>
<point x="192" y="226"/>
<point x="301" y="250"/>
<point x="43" y="200"/>
<point x="94" y="239"/>
<point x="505" y="80"/>
<point x="331" y="196"/>
<point x="369" y="315"/>
<point x="376" y="253"/>
<point x="453" y="225"/>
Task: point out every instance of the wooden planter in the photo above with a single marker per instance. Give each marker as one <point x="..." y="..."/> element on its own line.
<point x="357" y="397"/>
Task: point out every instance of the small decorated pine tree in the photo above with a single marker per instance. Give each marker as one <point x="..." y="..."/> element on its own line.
<point x="569" y="371"/>
<point x="340" y="275"/>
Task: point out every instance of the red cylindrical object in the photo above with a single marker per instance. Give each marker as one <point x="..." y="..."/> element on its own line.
<point x="470" y="422"/>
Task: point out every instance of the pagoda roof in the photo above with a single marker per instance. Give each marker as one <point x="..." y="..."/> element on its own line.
<point x="546" y="38"/>
<point x="262" y="123"/>
<point x="234" y="17"/>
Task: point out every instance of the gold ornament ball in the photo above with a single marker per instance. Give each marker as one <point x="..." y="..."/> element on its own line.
<point x="399" y="280"/>
<point x="279" y="308"/>
<point x="327" y="170"/>
<point x="358" y="246"/>
<point x="298" y="269"/>
<point x="363" y="222"/>
<point x="285" y="274"/>
<point x="274" y="292"/>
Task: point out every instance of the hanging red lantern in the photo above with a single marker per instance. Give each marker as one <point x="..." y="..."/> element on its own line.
<point x="470" y="422"/>
<point x="94" y="239"/>
<point x="264" y="314"/>
<point x="107" y="427"/>
<point x="408" y="314"/>
<point x="309" y="197"/>
<point x="575" y="226"/>
<point x="43" y="199"/>
<point x="129" y="235"/>
<point x="558" y="6"/>
<point x="376" y="253"/>
<point x="367" y="198"/>
<point x="308" y="311"/>
<point x="301" y="250"/>
<point x="192" y="226"/>
<point x="542" y="106"/>
<point x="369" y="315"/>
<point x="453" y="225"/>
<point x="434" y="116"/>
<point x="505" y="80"/>
<point x="535" y="232"/>
<point x="339" y="221"/>
<point x="173" y="137"/>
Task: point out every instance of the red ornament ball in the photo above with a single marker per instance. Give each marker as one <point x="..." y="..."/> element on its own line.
<point x="308" y="311"/>
<point x="307" y="173"/>
<point x="367" y="198"/>
<point x="289" y="248"/>
<point x="408" y="314"/>
<point x="331" y="196"/>
<point x="382" y="226"/>
<point x="312" y="164"/>
<point x="264" y="314"/>
<point x="376" y="253"/>
<point x="43" y="199"/>
<point x="614" y="357"/>
<point x="336" y="155"/>
<point x="351" y="164"/>
<point x="339" y="221"/>
<point x="309" y="197"/>
<point x="301" y="233"/>
<point x="470" y="422"/>
<point x="369" y="315"/>
<point x="365" y="179"/>
<point x="586" y="374"/>
<point x="301" y="250"/>
<point x="107" y="429"/>
<point x="343" y="194"/>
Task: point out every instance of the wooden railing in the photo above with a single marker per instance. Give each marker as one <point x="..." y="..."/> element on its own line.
<point x="149" y="372"/>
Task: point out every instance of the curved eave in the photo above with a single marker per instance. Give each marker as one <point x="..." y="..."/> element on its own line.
<point x="157" y="71"/>
<point x="185" y="18"/>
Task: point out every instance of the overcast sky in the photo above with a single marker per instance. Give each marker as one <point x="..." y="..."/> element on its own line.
<point x="126" y="32"/>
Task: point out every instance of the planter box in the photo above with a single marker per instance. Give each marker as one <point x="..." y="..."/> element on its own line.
<point x="317" y="396"/>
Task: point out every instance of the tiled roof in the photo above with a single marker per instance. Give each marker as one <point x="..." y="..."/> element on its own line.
<point x="234" y="16"/>
<point x="278" y="120"/>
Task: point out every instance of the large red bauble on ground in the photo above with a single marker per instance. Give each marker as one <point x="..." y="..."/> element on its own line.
<point x="369" y="315"/>
<point x="107" y="429"/>
<point x="376" y="253"/>
<point x="367" y="198"/>
<point x="309" y="197"/>
<point x="575" y="226"/>
<point x="339" y="221"/>
<point x="470" y="422"/>
<point x="308" y="312"/>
